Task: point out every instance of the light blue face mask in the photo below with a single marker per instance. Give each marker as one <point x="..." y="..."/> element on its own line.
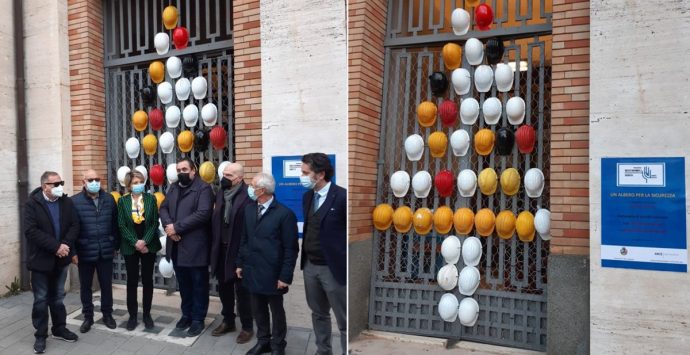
<point x="138" y="188"/>
<point x="251" y="193"/>
<point x="307" y="182"/>
<point x="93" y="186"/>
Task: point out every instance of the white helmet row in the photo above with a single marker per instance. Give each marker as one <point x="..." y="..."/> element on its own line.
<point x="122" y="173"/>
<point x="209" y="114"/>
<point x="469" y="110"/>
<point x="165" y="267"/>
<point x="461" y="80"/>
<point x="504" y="77"/>
<point x="190" y="114"/>
<point x="515" y="110"/>
<point x="492" y="109"/>
<point x="542" y="223"/>
<point x="199" y="87"/>
<point x="468" y="311"/>
<point x="165" y="92"/>
<point x="460" y="142"/>
<point x="132" y="147"/>
<point x="460" y="20"/>
<point x="450" y="249"/>
<point x="483" y="78"/>
<point x="400" y="183"/>
<point x="166" y="142"/>
<point x="421" y="184"/>
<point x="448" y="307"/>
<point x="174" y="67"/>
<point x="162" y="43"/>
<point x="447" y="277"/>
<point x="171" y="173"/>
<point x="467" y="183"/>
<point x="471" y="251"/>
<point x="414" y="147"/>
<point x="468" y="280"/>
<point x="534" y="182"/>
<point x="474" y="51"/>
<point x="182" y="88"/>
<point x="172" y="116"/>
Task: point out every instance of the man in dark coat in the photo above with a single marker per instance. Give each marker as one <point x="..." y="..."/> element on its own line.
<point x="228" y="225"/>
<point x="185" y="214"/>
<point x="266" y="262"/>
<point x="51" y="229"/>
<point x="324" y="249"/>
<point x="99" y="238"/>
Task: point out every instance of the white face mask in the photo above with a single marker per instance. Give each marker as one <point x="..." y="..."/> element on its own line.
<point x="56" y="191"/>
<point x="307" y="182"/>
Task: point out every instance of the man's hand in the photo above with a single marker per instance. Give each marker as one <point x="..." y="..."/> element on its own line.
<point x="175" y="237"/>
<point x="62" y="251"/>
<point x="144" y="250"/>
<point x="140" y="245"/>
<point x="281" y="285"/>
<point x="238" y="272"/>
<point x="75" y="260"/>
<point x="170" y="229"/>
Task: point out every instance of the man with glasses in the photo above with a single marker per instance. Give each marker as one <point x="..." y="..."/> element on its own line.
<point x="51" y="227"/>
<point x="99" y="238"/>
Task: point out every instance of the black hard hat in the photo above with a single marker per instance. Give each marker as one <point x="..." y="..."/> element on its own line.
<point x="190" y="66"/>
<point x="494" y="50"/>
<point x="148" y="95"/>
<point x="438" y="83"/>
<point x="505" y="140"/>
<point x="201" y="140"/>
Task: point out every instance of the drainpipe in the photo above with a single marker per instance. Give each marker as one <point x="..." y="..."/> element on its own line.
<point x="22" y="164"/>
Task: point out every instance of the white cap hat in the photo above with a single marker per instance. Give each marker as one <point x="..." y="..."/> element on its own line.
<point x="190" y="115"/>
<point x="421" y="184"/>
<point x="174" y="67"/>
<point x="166" y="142"/>
<point x="468" y="280"/>
<point x="515" y="110"/>
<point x="165" y="92"/>
<point x="460" y="142"/>
<point x="414" y="147"/>
<point x="468" y="311"/>
<point x="448" y="307"/>
<point x="492" y="109"/>
<point x="447" y="277"/>
<point x="483" y="78"/>
<point x="162" y="43"/>
<point x="172" y="116"/>
<point x="171" y="173"/>
<point x="400" y="183"/>
<point x="460" y="21"/>
<point x="534" y="182"/>
<point x="132" y="147"/>
<point x="450" y="249"/>
<point x="504" y="77"/>
<point x="122" y="173"/>
<point x="467" y="183"/>
<point x="165" y="267"/>
<point x="182" y="89"/>
<point x="474" y="51"/>
<point x="471" y="251"/>
<point x="142" y="169"/>
<point x="209" y="114"/>
<point x="542" y="223"/>
<point x="469" y="110"/>
<point x="199" y="87"/>
<point x="462" y="80"/>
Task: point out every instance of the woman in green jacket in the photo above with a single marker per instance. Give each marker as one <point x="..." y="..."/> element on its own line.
<point x="138" y="220"/>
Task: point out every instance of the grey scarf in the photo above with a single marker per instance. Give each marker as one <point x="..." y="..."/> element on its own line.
<point x="228" y="195"/>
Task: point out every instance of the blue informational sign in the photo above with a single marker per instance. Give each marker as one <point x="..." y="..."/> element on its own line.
<point x="643" y="214"/>
<point x="286" y="171"/>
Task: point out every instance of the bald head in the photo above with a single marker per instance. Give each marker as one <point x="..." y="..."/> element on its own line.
<point x="90" y="174"/>
<point x="234" y="172"/>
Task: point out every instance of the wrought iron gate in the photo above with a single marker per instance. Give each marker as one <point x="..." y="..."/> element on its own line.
<point x="130" y="26"/>
<point x="512" y="294"/>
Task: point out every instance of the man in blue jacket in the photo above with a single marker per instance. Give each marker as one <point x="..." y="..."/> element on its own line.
<point x="266" y="263"/>
<point x="324" y="249"/>
<point x="99" y="238"/>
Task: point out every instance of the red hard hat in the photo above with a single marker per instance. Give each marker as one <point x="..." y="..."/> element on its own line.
<point x="444" y="182"/>
<point x="218" y="137"/>
<point x="180" y="37"/>
<point x="156" y="119"/>
<point x="525" y="138"/>
<point x="484" y="17"/>
<point x="157" y="174"/>
<point x="449" y="113"/>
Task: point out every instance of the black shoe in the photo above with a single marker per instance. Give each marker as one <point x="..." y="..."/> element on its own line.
<point x="109" y="321"/>
<point x="259" y="349"/>
<point x="65" y="334"/>
<point x="40" y="346"/>
<point x="132" y="323"/>
<point x="86" y="325"/>
<point x="195" y="329"/>
<point x="148" y="321"/>
<point x="183" y="323"/>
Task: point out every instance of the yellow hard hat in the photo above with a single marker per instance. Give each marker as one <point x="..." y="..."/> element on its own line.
<point x="525" y="226"/>
<point x="170" y="17"/>
<point x="402" y="219"/>
<point x="505" y="224"/>
<point x="159" y="198"/>
<point x="423" y="221"/>
<point x="382" y="216"/>
<point x="139" y="120"/>
<point x="157" y="71"/>
<point x="185" y="141"/>
<point x="452" y="56"/>
<point x="443" y="219"/>
<point x="463" y="220"/>
<point x="116" y="195"/>
<point x="438" y="143"/>
<point x="426" y="114"/>
<point x="485" y="221"/>
<point x="207" y="171"/>
<point x="484" y="141"/>
<point x="488" y="181"/>
<point x="150" y="144"/>
<point x="510" y="181"/>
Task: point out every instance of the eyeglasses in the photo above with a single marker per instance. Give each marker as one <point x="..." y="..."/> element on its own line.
<point x="55" y="184"/>
<point x="94" y="179"/>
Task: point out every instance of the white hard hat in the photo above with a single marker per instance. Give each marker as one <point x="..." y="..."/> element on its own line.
<point x="469" y="110"/>
<point x="447" y="277"/>
<point x="122" y="173"/>
<point x="468" y="280"/>
<point x="174" y="67"/>
<point x="421" y="184"/>
<point x="163" y="239"/>
<point x="460" y="20"/>
<point x="171" y="173"/>
<point x="400" y="183"/>
<point x="483" y="78"/>
<point x="172" y="116"/>
<point x="462" y="80"/>
<point x="450" y="249"/>
<point x="460" y="142"/>
<point x="504" y="77"/>
<point x="448" y="307"/>
<point x="542" y="223"/>
<point x="209" y="114"/>
<point x="534" y="182"/>
<point x="199" y="87"/>
<point x="165" y="268"/>
<point x="474" y="51"/>
<point x="142" y="169"/>
<point x="468" y="311"/>
<point x="492" y="109"/>
<point x="467" y="183"/>
<point x="414" y="147"/>
<point x="471" y="251"/>
<point x="515" y="110"/>
<point x="182" y="88"/>
<point x="132" y="147"/>
<point x="162" y="43"/>
<point x="165" y="92"/>
<point x="190" y="114"/>
<point x="167" y="142"/>
<point x="221" y="167"/>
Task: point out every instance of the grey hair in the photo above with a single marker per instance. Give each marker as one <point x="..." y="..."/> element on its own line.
<point x="46" y="175"/>
<point x="266" y="181"/>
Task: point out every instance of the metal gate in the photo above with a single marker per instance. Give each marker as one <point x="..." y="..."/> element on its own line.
<point x="512" y="294"/>
<point x="130" y="26"/>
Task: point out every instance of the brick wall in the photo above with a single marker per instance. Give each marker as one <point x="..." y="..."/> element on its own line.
<point x="570" y="128"/>
<point x="87" y="89"/>
<point x="366" y="24"/>
<point x="247" y="85"/>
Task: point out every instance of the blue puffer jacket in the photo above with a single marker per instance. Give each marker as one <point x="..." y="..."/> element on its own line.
<point x="99" y="235"/>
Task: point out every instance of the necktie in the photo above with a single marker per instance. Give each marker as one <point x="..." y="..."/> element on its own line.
<point x="258" y="211"/>
<point x="315" y="205"/>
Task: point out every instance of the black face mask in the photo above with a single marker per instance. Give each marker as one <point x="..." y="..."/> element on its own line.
<point x="225" y="183"/>
<point x="184" y="178"/>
